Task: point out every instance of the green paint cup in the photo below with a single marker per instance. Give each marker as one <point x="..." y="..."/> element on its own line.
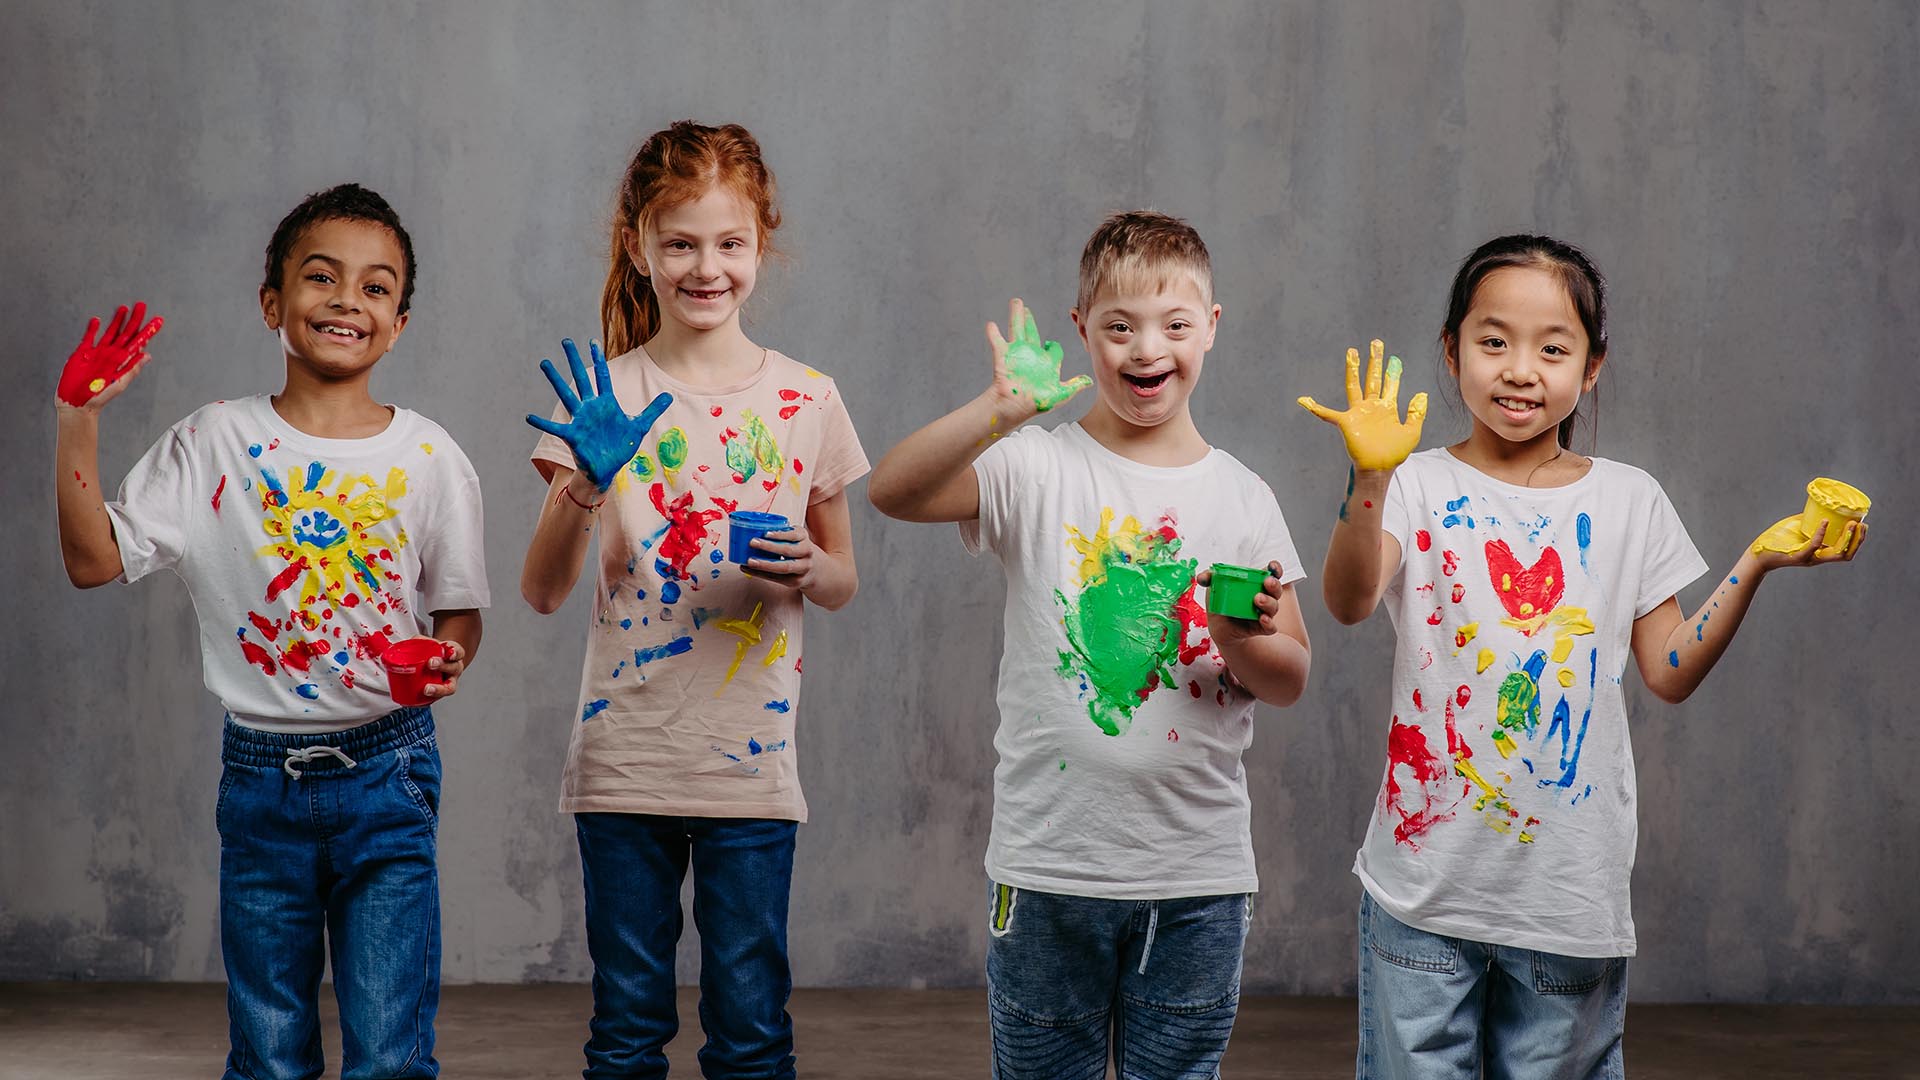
<point x="1233" y="590"/>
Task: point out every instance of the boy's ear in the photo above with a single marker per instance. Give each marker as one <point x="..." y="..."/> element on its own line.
<point x="630" y="240"/>
<point x="270" y="307"/>
<point x="1212" y="328"/>
<point x="1079" y="327"/>
<point x="399" y="324"/>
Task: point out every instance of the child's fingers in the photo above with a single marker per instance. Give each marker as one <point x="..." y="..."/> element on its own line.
<point x="660" y="403"/>
<point x="93" y="327"/>
<point x="1353" y="378"/>
<point x="1319" y="410"/>
<point x="1204" y="578"/>
<point x="1375" y="349"/>
<point x="1417" y="412"/>
<point x="113" y="328"/>
<point x="577" y="368"/>
<point x="1077" y="384"/>
<point x="553" y="428"/>
<point x="1390" y="393"/>
<point x="602" y="378"/>
<point x="138" y="316"/>
<point x="146" y="333"/>
<point x="567" y="397"/>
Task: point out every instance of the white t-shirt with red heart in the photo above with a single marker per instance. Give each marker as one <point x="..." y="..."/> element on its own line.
<point x="1506" y="811"/>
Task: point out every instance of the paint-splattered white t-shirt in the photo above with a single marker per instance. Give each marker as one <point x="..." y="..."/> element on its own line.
<point x="1120" y="730"/>
<point x="305" y="557"/>
<point x="692" y="679"/>
<point x="1506" y="813"/>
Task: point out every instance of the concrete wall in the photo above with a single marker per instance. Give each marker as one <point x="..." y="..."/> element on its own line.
<point x="1745" y="172"/>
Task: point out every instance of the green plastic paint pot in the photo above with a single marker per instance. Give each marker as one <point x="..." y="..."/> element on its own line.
<point x="1233" y="590"/>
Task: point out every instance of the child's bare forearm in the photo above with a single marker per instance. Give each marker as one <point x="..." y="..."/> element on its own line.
<point x="560" y="541"/>
<point x="1350" y="581"/>
<point x="908" y="481"/>
<point x="1273" y="667"/>
<point x="87" y="545"/>
<point x="461" y="625"/>
<point x="1689" y="650"/>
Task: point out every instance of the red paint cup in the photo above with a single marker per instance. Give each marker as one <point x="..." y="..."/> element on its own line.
<point x="408" y="675"/>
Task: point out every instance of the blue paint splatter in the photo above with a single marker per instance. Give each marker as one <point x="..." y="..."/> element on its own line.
<point x="1734" y="579"/>
<point x="626" y="624"/>
<point x="1349" y="498"/>
<point x="315" y="471"/>
<point x="631" y="563"/>
<point x="639" y="594"/>
<point x="308" y="691"/>
<point x="1455" y="518"/>
<point x="1583" y="532"/>
<point x="777" y="706"/>
<point x="1673" y="658"/>
<point x="1570" y="755"/>
<point x="669" y="592"/>
<point x="342" y="657"/>
<point x="753" y="746"/>
<point x="1700" y="631"/>
<point x="702" y="614"/>
<point x="661" y="652"/>
<point x="254" y="449"/>
<point x="594" y="708"/>
<point x="718" y="556"/>
<point x="716" y="573"/>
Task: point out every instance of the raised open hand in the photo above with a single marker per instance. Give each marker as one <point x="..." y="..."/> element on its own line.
<point x="1376" y="438"/>
<point x="96" y="367"/>
<point x="601" y="435"/>
<point x="1028" y="368"/>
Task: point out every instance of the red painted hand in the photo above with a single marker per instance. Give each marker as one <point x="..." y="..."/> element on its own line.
<point x="95" y="367"/>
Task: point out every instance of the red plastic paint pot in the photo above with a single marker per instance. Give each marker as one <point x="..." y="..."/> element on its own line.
<point x="408" y="675"/>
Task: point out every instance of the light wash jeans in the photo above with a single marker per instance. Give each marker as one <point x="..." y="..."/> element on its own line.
<point x="1441" y="1008"/>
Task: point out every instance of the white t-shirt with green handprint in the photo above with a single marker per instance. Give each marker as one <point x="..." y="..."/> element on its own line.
<point x="1121" y="731"/>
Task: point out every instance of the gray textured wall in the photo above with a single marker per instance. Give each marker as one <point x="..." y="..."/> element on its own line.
<point x="1745" y="173"/>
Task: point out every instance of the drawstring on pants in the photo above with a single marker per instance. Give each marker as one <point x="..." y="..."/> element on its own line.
<point x="309" y="754"/>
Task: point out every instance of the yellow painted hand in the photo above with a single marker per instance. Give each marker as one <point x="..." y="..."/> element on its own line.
<point x="1376" y="437"/>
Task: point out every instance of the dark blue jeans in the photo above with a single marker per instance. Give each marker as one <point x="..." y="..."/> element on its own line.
<point x="633" y="865"/>
<point x="1071" y="978"/>
<point x="327" y="842"/>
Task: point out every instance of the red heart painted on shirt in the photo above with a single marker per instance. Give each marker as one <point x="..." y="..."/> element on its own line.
<point x="1529" y="592"/>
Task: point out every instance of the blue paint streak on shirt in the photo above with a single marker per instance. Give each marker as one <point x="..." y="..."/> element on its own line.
<point x="315" y="471"/>
<point x="1583" y="532"/>
<point x="717" y="555"/>
<point x="626" y="624"/>
<point x="670" y="592"/>
<point x="594" y="708"/>
<point x="308" y="691"/>
<point x="1673" y="658"/>
<point x="661" y="652"/>
<point x="754" y="747"/>
<point x="777" y="706"/>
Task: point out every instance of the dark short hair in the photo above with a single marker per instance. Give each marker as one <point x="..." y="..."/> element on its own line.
<point x="342" y="202"/>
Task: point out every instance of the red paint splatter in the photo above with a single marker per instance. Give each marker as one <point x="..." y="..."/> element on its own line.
<point x="370" y="645"/>
<point x="796" y="665"/>
<point x="274" y="445"/>
<point x="285" y="578"/>
<point x="787" y="411"/>
<point x="1423" y="539"/>
<point x="1449" y="562"/>
<point x="351" y="600"/>
<point x="1407" y="749"/>
<point x="1434" y="619"/>
<point x="1463" y="695"/>
<point x="346" y="677"/>
<point x="791" y="395"/>
<point x="219" y="491"/>
<point x="1417" y="703"/>
<point x="83" y="485"/>
<point x="1172" y="735"/>
<point x="1525" y="592"/>
<point x="1459" y="592"/>
<point x="267" y="627"/>
<point x="770" y="484"/>
<point x="797" y="467"/>
<point x="257" y="655"/>
<point x="1426" y="658"/>
<point x="686" y="528"/>
<point x="1153" y="683"/>
<point x="717" y="410"/>
<point x="1428" y="587"/>
<point x="1192" y="614"/>
<point x="1368" y="503"/>
<point x="1460" y="639"/>
<point x="298" y="655"/>
<point x="1193" y="686"/>
<point x="1220" y="695"/>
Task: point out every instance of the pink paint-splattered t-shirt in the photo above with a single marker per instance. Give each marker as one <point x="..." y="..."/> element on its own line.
<point x="1121" y="730"/>
<point x="304" y="556"/>
<point x="692" y="679"/>
<point x="1506" y="813"/>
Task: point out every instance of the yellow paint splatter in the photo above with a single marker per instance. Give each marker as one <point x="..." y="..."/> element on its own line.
<point x="1463" y="635"/>
<point x="427" y="446"/>
<point x="1526" y="837"/>
<point x="97" y="385"/>
<point x="1485" y="661"/>
<point x="776" y="650"/>
<point x="748" y="631"/>
<point x="1504" y="743"/>
<point x="1566" y="676"/>
<point x="1131" y="543"/>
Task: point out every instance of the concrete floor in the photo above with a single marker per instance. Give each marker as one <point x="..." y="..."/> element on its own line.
<point x="162" y="1031"/>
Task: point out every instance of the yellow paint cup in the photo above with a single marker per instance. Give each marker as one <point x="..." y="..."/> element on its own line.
<point x="1836" y="504"/>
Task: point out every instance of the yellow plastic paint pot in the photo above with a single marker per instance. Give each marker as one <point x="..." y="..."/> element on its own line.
<point x="1836" y="504"/>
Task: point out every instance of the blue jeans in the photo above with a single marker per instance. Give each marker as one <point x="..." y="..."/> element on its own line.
<point x="327" y="844"/>
<point x="633" y="865"/>
<point x="1069" y="978"/>
<point x="1441" y="1008"/>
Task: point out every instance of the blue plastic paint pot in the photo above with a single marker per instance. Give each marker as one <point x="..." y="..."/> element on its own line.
<point x="744" y="526"/>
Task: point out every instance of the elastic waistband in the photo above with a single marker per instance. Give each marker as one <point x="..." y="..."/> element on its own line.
<point x="241" y="745"/>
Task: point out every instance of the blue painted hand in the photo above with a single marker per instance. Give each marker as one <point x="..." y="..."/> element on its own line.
<point x="601" y="435"/>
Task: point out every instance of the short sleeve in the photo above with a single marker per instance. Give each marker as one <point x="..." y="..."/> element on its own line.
<point x="1669" y="560"/>
<point x="840" y="460"/>
<point x="549" y="448"/>
<point x="453" y="561"/>
<point x="149" y="517"/>
<point x="1270" y="541"/>
<point x="1001" y="473"/>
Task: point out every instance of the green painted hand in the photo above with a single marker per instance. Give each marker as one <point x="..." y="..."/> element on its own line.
<point x="1029" y="368"/>
<point x="1376" y="438"/>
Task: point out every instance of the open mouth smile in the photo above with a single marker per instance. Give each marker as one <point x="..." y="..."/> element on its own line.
<point x="1147" y="385"/>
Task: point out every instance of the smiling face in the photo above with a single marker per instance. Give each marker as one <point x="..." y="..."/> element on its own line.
<point x="1522" y="355"/>
<point x="700" y="257"/>
<point x="1147" y="346"/>
<point x="337" y="308"/>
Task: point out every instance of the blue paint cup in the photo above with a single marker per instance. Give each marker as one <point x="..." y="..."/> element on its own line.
<point x="744" y="526"/>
